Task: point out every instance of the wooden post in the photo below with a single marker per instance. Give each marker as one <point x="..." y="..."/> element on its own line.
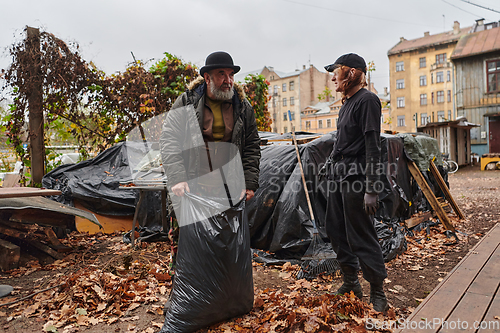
<point x="446" y="191"/>
<point x="37" y="147"/>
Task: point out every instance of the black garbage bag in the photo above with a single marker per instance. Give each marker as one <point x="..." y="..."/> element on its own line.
<point x="392" y="239"/>
<point x="213" y="277"/>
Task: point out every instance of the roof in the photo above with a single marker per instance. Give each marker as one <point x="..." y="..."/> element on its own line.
<point x="459" y="122"/>
<point x="322" y="107"/>
<point x="437" y="39"/>
<point x="477" y="43"/>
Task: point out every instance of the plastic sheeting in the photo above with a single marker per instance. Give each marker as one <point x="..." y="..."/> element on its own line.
<point x="213" y="278"/>
<point x="278" y="214"/>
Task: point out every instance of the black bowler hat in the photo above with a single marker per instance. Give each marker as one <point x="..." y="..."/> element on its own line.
<point x="219" y="60"/>
<point x="350" y="60"/>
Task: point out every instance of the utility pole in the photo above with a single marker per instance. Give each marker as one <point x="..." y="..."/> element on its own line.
<point x="36" y="137"/>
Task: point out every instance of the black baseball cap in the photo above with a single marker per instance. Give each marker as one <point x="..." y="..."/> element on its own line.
<point x="350" y="60"/>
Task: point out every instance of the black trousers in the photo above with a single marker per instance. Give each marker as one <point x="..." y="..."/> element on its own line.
<point x="351" y="230"/>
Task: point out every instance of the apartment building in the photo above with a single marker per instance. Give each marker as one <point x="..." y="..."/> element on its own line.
<point x="323" y="116"/>
<point x="294" y="91"/>
<point x="421" y="79"/>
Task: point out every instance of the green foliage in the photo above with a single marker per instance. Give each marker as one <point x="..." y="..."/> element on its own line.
<point x="327" y="93"/>
<point x="82" y="104"/>
<point x="256" y="88"/>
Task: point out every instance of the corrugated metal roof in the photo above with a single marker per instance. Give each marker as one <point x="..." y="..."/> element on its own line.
<point x="44" y="204"/>
<point x="442" y="38"/>
<point x="477" y="43"/>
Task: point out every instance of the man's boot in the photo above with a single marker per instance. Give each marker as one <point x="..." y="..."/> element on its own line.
<point x="377" y="297"/>
<point x="351" y="282"/>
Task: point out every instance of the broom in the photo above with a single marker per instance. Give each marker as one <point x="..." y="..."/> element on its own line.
<point x="319" y="257"/>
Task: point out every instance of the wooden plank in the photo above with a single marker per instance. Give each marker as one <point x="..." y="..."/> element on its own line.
<point x="415" y="220"/>
<point x="429" y="195"/>
<point x="9" y="255"/>
<point x="446" y="190"/>
<point x="54" y="241"/>
<point x="442" y="300"/>
<point x="489" y="322"/>
<point x="15" y="192"/>
<point x="478" y="297"/>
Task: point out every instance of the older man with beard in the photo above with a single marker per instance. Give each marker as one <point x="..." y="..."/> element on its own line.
<point x="224" y="115"/>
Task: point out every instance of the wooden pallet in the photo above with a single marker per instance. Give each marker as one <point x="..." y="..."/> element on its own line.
<point x="469" y="294"/>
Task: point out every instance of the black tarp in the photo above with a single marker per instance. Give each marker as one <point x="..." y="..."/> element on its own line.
<point x="278" y="214"/>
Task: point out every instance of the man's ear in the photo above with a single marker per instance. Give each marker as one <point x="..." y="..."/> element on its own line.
<point x="206" y="76"/>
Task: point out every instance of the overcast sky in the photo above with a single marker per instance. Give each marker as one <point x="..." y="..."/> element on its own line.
<point x="285" y="34"/>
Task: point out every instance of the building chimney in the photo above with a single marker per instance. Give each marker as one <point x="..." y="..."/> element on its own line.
<point x="480" y="21"/>
<point x="303" y="66"/>
<point x="271" y="69"/>
<point x="385" y="91"/>
<point x="456" y="27"/>
<point x="426" y="34"/>
<point x="401" y="39"/>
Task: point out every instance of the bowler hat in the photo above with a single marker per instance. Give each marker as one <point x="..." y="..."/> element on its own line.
<point x="219" y="59"/>
<point x="350" y="60"/>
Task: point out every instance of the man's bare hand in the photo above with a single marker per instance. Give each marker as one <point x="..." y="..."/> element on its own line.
<point x="248" y="193"/>
<point x="180" y="188"/>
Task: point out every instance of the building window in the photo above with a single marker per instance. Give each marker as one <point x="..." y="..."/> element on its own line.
<point x="283" y="87"/>
<point x="423" y="62"/>
<point x="275" y="89"/>
<point x="423" y="99"/>
<point x="292" y="99"/>
<point x="320" y="123"/>
<point x="432" y="97"/>
<point x="293" y="115"/>
<point x="448" y="76"/>
<point x="291" y="85"/>
<point x="432" y="78"/>
<point x="284" y="116"/>
<point x="284" y="101"/>
<point x="449" y="115"/>
<point x="274" y="116"/>
<point x="440" y="115"/>
<point x="400" y="66"/>
<point x="493" y="72"/>
<point x="423" y="80"/>
<point x="439" y="77"/>
<point x="285" y="129"/>
<point x="401" y="102"/>
<point x="401" y="121"/>
<point x="440" y="96"/>
<point x="400" y="84"/>
<point x="423" y="119"/>
<point x="441" y="59"/>
<point x="274" y="102"/>
<point x="328" y="123"/>
<point x="308" y="125"/>
<point x="449" y="95"/>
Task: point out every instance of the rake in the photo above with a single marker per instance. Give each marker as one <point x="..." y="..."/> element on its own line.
<point x="319" y="257"/>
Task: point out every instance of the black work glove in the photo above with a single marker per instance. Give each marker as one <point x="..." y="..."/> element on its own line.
<point x="370" y="203"/>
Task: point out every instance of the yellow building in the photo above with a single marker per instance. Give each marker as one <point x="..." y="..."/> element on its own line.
<point x="421" y="79"/>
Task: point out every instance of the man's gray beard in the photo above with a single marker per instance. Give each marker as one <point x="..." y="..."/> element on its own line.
<point x="219" y="94"/>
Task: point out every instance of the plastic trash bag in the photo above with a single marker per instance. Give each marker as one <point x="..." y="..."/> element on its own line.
<point x="213" y="278"/>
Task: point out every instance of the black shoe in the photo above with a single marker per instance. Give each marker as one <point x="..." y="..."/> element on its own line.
<point x="377" y="298"/>
<point x="351" y="283"/>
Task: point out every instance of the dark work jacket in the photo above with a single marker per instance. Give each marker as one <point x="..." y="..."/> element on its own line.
<point x="181" y="166"/>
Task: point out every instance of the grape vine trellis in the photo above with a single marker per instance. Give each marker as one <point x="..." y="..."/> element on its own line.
<point x="101" y="109"/>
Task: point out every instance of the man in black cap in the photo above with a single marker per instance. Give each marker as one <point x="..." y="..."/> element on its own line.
<point x="352" y="171"/>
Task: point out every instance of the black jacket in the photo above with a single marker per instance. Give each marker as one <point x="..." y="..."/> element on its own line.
<point x="180" y="162"/>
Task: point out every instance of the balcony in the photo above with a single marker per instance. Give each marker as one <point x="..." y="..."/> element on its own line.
<point x="440" y="65"/>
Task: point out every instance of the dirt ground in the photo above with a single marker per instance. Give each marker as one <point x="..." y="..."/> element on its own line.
<point x="411" y="276"/>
